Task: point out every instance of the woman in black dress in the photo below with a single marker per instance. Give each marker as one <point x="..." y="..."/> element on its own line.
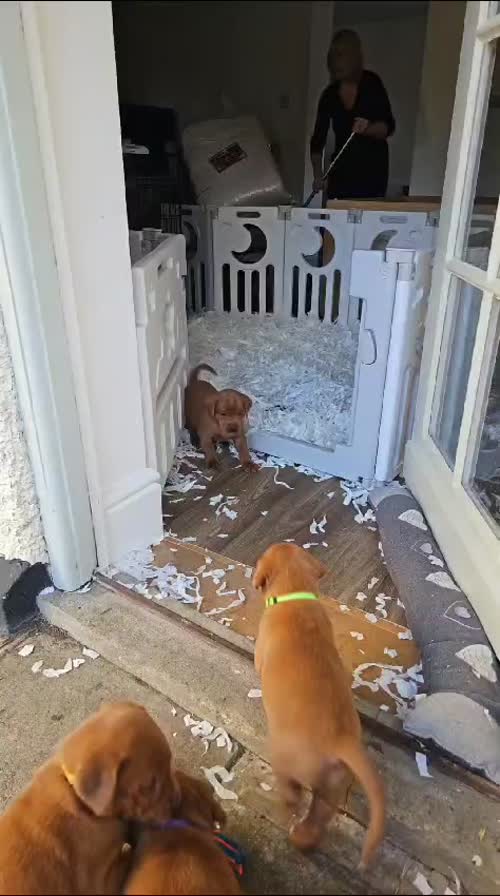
<point x="355" y="100"/>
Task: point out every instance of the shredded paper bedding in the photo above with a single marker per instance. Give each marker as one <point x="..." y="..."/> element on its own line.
<point x="299" y="373"/>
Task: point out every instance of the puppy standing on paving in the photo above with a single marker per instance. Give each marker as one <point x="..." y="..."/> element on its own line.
<point x="214" y="416"/>
<point x="65" y="833"/>
<point x="314" y="728"/>
<point x="184" y="856"/>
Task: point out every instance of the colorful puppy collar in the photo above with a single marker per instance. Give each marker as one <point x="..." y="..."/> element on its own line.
<point x="230" y="848"/>
<point x="284" y="598"/>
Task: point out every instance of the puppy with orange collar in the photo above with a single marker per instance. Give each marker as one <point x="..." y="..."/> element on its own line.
<point x="314" y="728"/>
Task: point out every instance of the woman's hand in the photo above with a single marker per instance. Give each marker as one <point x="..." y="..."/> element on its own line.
<point x="360" y="125"/>
<point x="377" y="129"/>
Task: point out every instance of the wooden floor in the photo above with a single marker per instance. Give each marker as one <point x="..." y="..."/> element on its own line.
<point x="269" y="512"/>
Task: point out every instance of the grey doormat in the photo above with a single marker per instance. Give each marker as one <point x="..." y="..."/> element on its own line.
<point x="20" y="584"/>
<point x="460" y="706"/>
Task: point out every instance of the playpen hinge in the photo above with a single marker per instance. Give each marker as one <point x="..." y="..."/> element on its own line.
<point x="431" y="219"/>
<point x="354" y="216"/>
<point x="284" y="212"/>
<point x="213" y="211"/>
<point x="405" y="261"/>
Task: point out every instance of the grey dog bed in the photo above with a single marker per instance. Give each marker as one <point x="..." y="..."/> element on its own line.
<point x="460" y="706"/>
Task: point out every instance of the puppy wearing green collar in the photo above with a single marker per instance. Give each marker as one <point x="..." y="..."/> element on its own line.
<point x="313" y="725"/>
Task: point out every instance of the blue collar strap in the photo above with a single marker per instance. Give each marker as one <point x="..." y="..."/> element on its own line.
<point x="229" y="847"/>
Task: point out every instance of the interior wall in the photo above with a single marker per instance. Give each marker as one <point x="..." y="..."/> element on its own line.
<point x="218" y="58"/>
<point x="21" y="530"/>
<point x="393" y="38"/>
<point x="488" y="184"/>
<point x="320" y="36"/>
<point x="443" y="41"/>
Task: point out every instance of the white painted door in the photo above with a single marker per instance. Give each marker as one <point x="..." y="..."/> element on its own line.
<point x="452" y="463"/>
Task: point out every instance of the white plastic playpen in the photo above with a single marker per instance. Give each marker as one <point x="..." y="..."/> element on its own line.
<point x="364" y="271"/>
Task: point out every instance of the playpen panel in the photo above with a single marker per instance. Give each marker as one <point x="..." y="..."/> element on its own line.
<point x="381" y="230"/>
<point x="403" y="362"/>
<point x="373" y="287"/>
<point x="318" y="248"/>
<point x="196" y="227"/>
<point x="248" y="253"/>
<point x="159" y="298"/>
<point x="373" y="284"/>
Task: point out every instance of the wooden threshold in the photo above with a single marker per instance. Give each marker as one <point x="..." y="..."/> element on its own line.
<point x="388" y="729"/>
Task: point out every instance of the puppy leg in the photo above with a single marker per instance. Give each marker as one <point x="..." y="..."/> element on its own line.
<point x="308" y="832"/>
<point x="242" y="449"/>
<point x="208" y="448"/>
<point x="290" y="791"/>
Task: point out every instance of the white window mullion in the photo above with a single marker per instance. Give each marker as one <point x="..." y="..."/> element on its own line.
<point x="489" y="29"/>
<point x="467" y="272"/>
<point x="494" y="257"/>
<point x="482" y="280"/>
<point x="472" y="89"/>
<point x="472" y="394"/>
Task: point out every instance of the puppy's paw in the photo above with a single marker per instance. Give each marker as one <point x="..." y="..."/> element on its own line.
<point x="305" y="836"/>
<point x="250" y="467"/>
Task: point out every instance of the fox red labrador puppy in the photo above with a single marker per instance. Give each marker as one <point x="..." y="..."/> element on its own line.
<point x="314" y="728"/>
<point x="183" y="856"/>
<point x="66" y="833"/>
<point x="214" y="416"/>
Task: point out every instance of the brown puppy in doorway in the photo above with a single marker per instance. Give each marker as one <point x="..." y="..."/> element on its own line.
<point x="66" y="834"/>
<point x="314" y="728"/>
<point x="217" y="416"/>
<point x="183" y="856"/>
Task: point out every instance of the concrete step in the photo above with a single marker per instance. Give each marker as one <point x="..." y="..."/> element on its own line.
<point x="439" y="822"/>
<point x="39" y="711"/>
<point x="189" y="665"/>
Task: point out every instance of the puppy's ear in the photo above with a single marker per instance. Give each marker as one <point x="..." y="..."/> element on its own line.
<point x="217" y="812"/>
<point x="198" y="803"/>
<point x="315" y="566"/>
<point x="246" y="402"/>
<point x="261" y="574"/>
<point x="94" y="781"/>
<point x="211" y="405"/>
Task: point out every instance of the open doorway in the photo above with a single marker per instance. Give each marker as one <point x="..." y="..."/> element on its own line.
<point x="189" y="103"/>
<point x="199" y="62"/>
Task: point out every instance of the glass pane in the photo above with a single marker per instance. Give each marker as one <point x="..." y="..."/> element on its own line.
<point x="485" y="478"/>
<point x="462" y="316"/>
<point x="487" y="180"/>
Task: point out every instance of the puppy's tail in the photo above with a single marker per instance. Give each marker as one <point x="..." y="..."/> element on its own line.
<point x="196" y="370"/>
<point x="355" y="756"/>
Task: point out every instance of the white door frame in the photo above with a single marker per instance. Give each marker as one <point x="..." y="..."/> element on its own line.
<point x="471" y="547"/>
<point x="78" y="352"/>
<point x="32" y="307"/>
